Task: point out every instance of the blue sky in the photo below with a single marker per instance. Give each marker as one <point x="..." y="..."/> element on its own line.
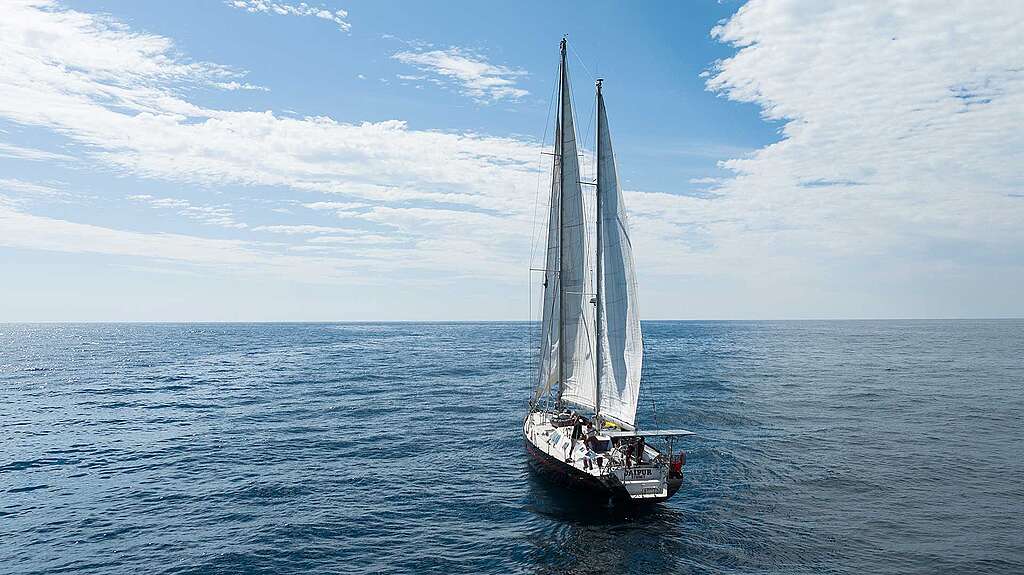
<point x="258" y="160"/>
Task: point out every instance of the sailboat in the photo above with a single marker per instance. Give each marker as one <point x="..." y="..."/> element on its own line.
<point x="581" y="426"/>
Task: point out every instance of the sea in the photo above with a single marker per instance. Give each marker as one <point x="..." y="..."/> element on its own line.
<point x="358" y="448"/>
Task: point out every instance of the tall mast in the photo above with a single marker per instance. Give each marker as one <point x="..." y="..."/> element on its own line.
<point x="600" y="249"/>
<point x="559" y="146"/>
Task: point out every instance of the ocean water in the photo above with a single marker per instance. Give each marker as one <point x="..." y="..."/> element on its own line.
<point x="824" y="447"/>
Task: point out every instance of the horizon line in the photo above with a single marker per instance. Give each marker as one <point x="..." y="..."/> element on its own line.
<point x="467" y="321"/>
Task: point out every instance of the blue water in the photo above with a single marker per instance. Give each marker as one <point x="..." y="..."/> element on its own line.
<point x="825" y="447"/>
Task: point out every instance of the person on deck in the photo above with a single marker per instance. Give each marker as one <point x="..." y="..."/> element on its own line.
<point x="577" y="434"/>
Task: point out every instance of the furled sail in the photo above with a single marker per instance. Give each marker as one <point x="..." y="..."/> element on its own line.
<point x="621" y="344"/>
<point x="567" y="339"/>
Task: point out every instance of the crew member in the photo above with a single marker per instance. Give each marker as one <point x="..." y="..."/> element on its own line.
<point x="577" y="433"/>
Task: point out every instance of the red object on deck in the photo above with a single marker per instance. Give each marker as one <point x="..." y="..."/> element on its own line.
<point x="677" y="463"/>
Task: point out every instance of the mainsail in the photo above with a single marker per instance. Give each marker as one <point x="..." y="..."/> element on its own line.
<point x="567" y="361"/>
<point x="620" y="345"/>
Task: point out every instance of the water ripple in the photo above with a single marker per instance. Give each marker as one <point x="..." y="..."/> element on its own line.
<point x="824" y="447"/>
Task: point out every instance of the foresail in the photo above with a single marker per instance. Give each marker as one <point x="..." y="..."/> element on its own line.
<point x="568" y="314"/>
<point x="549" y="348"/>
<point x="579" y="382"/>
<point x="621" y="341"/>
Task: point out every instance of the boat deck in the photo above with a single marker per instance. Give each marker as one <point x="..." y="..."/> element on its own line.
<point x="648" y="480"/>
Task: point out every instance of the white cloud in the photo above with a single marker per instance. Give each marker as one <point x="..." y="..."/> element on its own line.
<point x="23" y="153"/>
<point x="234" y="85"/>
<point x="300" y="9"/>
<point x="474" y="75"/>
<point x="901" y="129"/>
<point x="27" y="188"/>
<point x="304" y="229"/>
<point x="78" y="58"/>
<point x="211" y="215"/>
<point x="341" y="206"/>
<point x="24" y="230"/>
<point x="19" y="193"/>
<point x="362" y="239"/>
<point x="217" y="256"/>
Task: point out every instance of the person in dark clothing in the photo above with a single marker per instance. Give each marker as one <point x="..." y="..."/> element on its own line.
<point x="577" y="433"/>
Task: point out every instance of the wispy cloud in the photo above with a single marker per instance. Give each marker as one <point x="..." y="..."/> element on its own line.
<point x="301" y="9"/>
<point x="355" y="239"/>
<point x="23" y="153"/>
<point x="24" y="230"/>
<point x="211" y="215"/>
<point x="470" y="72"/>
<point x="230" y="257"/>
<point x="336" y="206"/>
<point x="234" y="85"/>
<point x="304" y="229"/>
<point x="25" y="188"/>
<point x="879" y="102"/>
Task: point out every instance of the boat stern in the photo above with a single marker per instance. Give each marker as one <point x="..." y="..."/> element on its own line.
<point x="643" y="483"/>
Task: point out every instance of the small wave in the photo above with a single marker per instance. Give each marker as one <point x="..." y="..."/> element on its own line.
<point x="26" y="489"/>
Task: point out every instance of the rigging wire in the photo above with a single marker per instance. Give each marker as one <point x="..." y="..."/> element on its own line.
<point x="593" y="110"/>
<point x="582" y="63"/>
<point x="535" y="345"/>
<point x="540" y="171"/>
<point x="589" y="212"/>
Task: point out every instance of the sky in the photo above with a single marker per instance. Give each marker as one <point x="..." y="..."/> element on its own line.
<point x="258" y="160"/>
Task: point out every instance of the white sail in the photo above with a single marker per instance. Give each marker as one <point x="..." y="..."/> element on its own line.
<point x="567" y="338"/>
<point x="621" y="344"/>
